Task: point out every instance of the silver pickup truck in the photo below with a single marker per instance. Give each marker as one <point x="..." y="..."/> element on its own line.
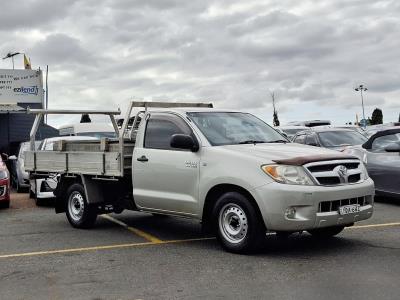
<point x="227" y="169"/>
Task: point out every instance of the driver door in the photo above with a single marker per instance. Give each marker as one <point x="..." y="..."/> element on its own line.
<point x="165" y="179"/>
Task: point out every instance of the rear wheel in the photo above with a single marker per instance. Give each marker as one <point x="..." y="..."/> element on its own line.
<point x="239" y="226"/>
<point x="326" y="232"/>
<point x="79" y="213"/>
<point x="5" y="204"/>
<point x="31" y="194"/>
<point x="18" y="187"/>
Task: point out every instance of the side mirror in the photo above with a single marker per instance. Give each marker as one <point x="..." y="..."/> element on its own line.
<point x="184" y="141"/>
<point x="12" y="157"/>
<point x="392" y="148"/>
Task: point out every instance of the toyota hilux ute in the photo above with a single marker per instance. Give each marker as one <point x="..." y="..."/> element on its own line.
<point x="227" y="169"/>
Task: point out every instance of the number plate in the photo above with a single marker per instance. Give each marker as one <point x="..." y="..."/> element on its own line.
<point x="349" y="209"/>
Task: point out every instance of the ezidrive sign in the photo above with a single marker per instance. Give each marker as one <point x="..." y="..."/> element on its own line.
<point x="21" y="86"/>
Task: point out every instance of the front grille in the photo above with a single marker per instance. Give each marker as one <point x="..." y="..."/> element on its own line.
<point x="329" y="206"/>
<point x="3" y="190"/>
<point x="330" y="167"/>
<point x="335" y="172"/>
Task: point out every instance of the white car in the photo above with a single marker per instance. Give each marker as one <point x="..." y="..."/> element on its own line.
<point x="19" y="177"/>
<point x="97" y="130"/>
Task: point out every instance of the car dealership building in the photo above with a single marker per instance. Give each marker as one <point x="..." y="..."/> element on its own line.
<point x="20" y="89"/>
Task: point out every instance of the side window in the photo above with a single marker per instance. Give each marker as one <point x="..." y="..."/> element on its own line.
<point x="160" y="128"/>
<point x="49" y="146"/>
<point x="300" y="139"/>
<point x="311" y="140"/>
<point x="381" y="142"/>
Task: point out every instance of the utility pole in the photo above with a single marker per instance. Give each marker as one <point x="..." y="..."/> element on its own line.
<point x="361" y="88"/>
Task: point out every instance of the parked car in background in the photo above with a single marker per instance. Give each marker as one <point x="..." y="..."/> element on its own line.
<point x="98" y="130"/>
<point x="351" y="127"/>
<point x="310" y="123"/>
<point x="290" y="131"/>
<point x="41" y="189"/>
<point x="19" y="177"/>
<point x="381" y="155"/>
<point x="4" y="183"/>
<point x="372" y="129"/>
<point x="331" y="138"/>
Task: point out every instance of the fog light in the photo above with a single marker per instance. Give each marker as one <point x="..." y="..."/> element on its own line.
<point x="290" y="213"/>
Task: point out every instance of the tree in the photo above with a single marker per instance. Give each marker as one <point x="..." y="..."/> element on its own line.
<point x="275" y="115"/>
<point x="85" y="119"/>
<point x="377" y="117"/>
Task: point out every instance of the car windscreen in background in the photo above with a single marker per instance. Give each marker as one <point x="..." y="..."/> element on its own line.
<point x="341" y="138"/>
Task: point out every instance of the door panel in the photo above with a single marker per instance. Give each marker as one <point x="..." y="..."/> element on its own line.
<point x="384" y="169"/>
<point x="165" y="178"/>
<point x="167" y="181"/>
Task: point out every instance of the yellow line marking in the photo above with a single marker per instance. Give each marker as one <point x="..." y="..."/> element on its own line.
<point x="158" y="242"/>
<point x="95" y="248"/>
<point x="374" y="225"/>
<point x="136" y="231"/>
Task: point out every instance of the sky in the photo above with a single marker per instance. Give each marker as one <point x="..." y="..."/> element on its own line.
<point x="311" y="54"/>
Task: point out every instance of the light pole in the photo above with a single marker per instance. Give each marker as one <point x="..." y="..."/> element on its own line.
<point x="11" y="55"/>
<point x="362" y="89"/>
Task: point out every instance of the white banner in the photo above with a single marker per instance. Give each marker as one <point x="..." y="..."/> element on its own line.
<point x="21" y="86"/>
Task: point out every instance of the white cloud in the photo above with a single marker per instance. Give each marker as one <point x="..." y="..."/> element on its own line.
<point x="311" y="53"/>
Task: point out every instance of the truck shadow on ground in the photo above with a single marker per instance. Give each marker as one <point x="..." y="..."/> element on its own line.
<point x="388" y="200"/>
<point x="297" y="245"/>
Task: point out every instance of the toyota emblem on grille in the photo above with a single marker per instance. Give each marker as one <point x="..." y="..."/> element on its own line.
<point x="341" y="171"/>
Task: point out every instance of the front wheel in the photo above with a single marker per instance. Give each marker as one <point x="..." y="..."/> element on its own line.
<point x="79" y="213"/>
<point x="326" y="232"/>
<point x="239" y="225"/>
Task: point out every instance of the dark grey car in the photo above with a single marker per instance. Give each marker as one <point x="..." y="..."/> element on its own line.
<point x="381" y="154"/>
<point x="331" y="138"/>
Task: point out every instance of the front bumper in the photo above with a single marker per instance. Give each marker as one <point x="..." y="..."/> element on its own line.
<point x="274" y="199"/>
<point x="4" y="190"/>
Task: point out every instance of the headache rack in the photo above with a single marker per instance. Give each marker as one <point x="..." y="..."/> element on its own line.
<point x="104" y="157"/>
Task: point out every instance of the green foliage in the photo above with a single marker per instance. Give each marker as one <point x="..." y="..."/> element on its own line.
<point x="377" y="117"/>
<point x="85" y="119"/>
<point x="276" y="119"/>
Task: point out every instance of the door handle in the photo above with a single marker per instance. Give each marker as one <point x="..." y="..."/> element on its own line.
<point x="143" y="158"/>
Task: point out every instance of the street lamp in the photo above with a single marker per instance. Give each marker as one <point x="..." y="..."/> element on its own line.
<point x="362" y="89"/>
<point x="11" y="55"/>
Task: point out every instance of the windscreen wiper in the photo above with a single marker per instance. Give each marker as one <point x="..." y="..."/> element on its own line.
<point x="278" y="141"/>
<point x="251" y="142"/>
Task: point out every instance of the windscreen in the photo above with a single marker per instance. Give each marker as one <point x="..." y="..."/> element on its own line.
<point x="230" y="128"/>
<point x="341" y="138"/>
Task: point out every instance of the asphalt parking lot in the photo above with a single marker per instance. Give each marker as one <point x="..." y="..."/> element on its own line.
<point x="140" y="256"/>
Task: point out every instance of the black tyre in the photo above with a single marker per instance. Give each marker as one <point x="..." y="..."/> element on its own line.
<point x="5" y="204"/>
<point x="31" y="194"/>
<point x="239" y="225"/>
<point x="38" y="201"/>
<point x="326" y="232"/>
<point x="17" y="187"/>
<point x="79" y="213"/>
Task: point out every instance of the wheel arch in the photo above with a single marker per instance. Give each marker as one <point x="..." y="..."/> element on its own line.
<point x="215" y="193"/>
<point x="61" y="191"/>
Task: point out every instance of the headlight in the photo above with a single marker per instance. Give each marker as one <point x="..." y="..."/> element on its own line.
<point x="3" y="174"/>
<point x="288" y="174"/>
<point x="364" y="174"/>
